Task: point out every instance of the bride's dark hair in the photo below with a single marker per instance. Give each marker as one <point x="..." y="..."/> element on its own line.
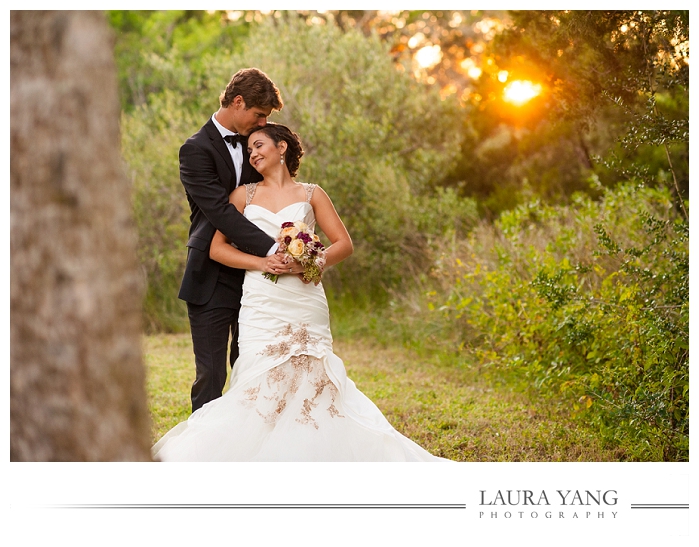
<point x="278" y="132"/>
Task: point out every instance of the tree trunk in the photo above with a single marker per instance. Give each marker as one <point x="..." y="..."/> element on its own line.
<point x="77" y="383"/>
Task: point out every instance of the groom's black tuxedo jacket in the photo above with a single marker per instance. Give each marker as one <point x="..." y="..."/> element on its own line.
<point x="208" y="176"/>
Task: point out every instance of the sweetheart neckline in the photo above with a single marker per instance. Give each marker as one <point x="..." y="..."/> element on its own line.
<point x="270" y="211"/>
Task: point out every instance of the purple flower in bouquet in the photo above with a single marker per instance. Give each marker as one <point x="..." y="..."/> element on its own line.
<point x="303" y="236"/>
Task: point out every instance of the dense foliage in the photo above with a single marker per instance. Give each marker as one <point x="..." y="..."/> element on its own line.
<point x="615" y="94"/>
<point x="145" y="39"/>
<point x="590" y="300"/>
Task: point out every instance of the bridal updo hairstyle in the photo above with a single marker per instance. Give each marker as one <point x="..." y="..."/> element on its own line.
<point x="278" y="132"/>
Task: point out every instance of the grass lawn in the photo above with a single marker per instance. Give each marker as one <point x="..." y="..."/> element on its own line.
<point x="452" y="411"/>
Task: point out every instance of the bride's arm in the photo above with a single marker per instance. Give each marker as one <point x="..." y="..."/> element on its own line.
<point x="222" y="251"/>
<point x="330" y="222"/>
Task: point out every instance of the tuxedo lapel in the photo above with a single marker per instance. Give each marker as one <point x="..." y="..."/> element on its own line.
<point x="221" y="147"/>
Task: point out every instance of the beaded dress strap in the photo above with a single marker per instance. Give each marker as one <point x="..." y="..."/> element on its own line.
<point x="249" y="192"/>
<point x="309" y="191"/>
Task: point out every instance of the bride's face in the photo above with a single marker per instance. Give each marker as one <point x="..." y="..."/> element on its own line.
<point x="264" y="153"/>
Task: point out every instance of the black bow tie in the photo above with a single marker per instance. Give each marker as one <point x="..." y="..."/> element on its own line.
<point x="235" y="139"/>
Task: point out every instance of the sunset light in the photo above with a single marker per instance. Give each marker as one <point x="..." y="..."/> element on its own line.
<point x="428" y="56"/>
<point x="519" y="92"/>
<point x="468" y="65"/>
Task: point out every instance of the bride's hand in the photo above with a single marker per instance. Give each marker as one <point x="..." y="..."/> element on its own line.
<point x="290" y="266"/>
<point x="274" y="264"/>
<point x="280" y="264"/>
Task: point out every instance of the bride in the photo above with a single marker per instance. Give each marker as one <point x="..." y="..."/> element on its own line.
<point x="289" y="397"/>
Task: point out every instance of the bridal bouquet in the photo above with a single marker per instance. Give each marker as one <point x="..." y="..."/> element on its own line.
<point x="297" y="241"/>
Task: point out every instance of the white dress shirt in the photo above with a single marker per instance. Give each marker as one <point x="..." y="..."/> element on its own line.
<point x="236" y="152"/>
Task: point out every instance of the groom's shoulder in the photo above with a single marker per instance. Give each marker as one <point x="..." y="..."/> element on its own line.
<point x="202" y="135"/>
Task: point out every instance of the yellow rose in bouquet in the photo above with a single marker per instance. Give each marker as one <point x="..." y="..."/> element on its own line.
<point x="296" y="248"/>
<point x="290" y="231"/>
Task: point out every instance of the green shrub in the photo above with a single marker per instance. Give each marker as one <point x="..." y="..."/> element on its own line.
<point x="151" y="137"/>
<point x="590" y="301"/>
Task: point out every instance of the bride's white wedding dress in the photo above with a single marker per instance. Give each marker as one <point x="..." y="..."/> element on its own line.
<point x="289" y="397"/>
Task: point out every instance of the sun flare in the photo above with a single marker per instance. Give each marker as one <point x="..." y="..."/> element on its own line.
<point x="519" y="92"/>
<point x="428" y="56"/>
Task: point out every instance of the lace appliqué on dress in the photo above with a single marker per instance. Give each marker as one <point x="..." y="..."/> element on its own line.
<point x="299" y="385"/>
<point x="249" y="192"/>
<point x="320" y="384"/>
<point x="309" y="191"/>
<point x="250" y="396"/>
<point x="299" y="337"/>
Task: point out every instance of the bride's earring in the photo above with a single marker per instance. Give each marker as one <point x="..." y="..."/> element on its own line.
<point x="282" y="160"/>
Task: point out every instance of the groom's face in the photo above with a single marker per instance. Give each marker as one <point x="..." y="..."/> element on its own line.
<point x="246" y="119"/>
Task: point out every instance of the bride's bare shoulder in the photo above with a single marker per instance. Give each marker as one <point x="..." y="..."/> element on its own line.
<point x="238" y="197"/>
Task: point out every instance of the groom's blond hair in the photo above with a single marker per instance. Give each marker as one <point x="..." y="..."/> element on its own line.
<point x="256" y="89"/>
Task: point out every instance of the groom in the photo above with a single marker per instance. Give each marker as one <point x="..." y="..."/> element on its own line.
<point x="213" y="162"/>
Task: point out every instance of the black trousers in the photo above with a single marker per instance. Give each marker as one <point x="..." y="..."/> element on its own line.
<point x="212" y="328"/>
